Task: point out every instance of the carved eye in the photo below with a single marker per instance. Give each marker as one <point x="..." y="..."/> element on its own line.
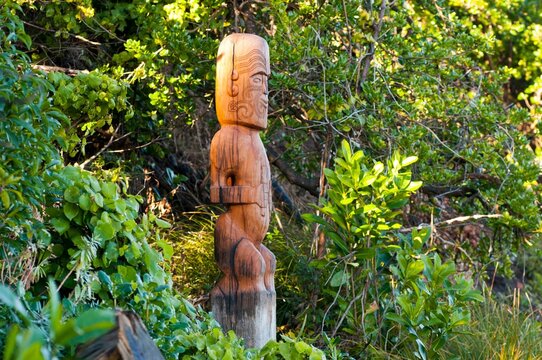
<point x="257" y="79"/>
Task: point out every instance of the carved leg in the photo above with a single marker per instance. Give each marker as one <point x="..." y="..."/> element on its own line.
<point x="227" y="236"/>
<point x="270" y="267"/>
<point x="240" y="301"/>
<point x="249" y="267"/>
<point x="237" y="257"/>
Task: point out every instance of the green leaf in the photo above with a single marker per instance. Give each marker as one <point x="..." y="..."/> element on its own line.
<point x="8" y="298"/>
<point x="285" y="351"/>
<point x="409" y="160"/>
<point x="111" y="251"/>
<point x="86" y="327"/>
<point x="473" y="295"/>
<point x="55" y="308"/>
<point x="302" y="347"/>
<point x="104" y="231"/>
<point x="72" y="194"/>
<point x="338" y="242"/>
<point x="70" y="210"/>
<point x="84" y="201"/>
<point x="167" y="249"/>
<point x="11" y="342"/>
<point x="162" y="223"/>
<point x="98" y="198"/>
<point x="346" y="150"/>
<point x="313" y="218"/>
<point x="348" y="200"/>
<point x="339" y="278"/>
<point x="414" y="185"/>
<point x="414" y="268"/>
<point x="105" y="280"/>
<point x="61" y="224"/>
<point x="366" y="253"/>
<point x="368" y="179"/>
<point x="396" y="318"/>
<point x="109" y="190"/>
<point x="4" y="196"/>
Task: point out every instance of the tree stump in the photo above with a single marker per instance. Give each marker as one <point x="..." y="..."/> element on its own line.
<point x="244" y="299"/>
<point x="129" y="340"/>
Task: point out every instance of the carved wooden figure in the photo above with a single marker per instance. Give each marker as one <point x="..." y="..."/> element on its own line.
<point x="244" y="299"/>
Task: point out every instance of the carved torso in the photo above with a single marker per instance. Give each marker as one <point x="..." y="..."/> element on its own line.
<point x="241" y="179"/>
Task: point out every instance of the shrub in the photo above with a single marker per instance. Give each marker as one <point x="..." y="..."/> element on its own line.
<point x="384" y="287"/>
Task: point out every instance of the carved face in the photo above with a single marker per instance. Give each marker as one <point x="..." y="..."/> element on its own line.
<point x="242" y="70"/>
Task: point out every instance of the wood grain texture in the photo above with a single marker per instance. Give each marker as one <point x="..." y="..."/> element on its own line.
<point x="241" y="180"/>
<point x="129" y="340"/>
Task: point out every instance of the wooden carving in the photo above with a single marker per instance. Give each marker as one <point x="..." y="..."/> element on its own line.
<point x="244" y="299"/>
<point x="129" y="340"/>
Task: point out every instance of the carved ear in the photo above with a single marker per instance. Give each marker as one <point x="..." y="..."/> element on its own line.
<point x="233" y="90"/>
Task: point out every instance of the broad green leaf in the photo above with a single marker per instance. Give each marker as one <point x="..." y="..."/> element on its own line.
<point x="60" y="224"/>
<point x="72" y="194"/>
<point x="109" y="190"/>
<point x="414" y="268"/>
<point x="84" y="201"/>
<point x="10" y="344"/>
<point x="70" y="210"/>
<point x="368" y="179"/>
<point x="348" y="200"/>
<point x="104" y="231"/>
<point x="285" y="350"/>
<point x="365" y="253"/>
<point x="111" y="251"/>
<point x="396" y="318"/>
<point x="378" y="167"/>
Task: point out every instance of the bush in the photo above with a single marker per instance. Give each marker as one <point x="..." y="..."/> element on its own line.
<point x="384" y="287"/>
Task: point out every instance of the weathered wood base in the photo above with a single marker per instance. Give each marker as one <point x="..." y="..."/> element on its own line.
<point x="129" y="340"/>
<point x="251" y="315"/>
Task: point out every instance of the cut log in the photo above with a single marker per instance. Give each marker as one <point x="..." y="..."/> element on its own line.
<point x="129" y="340"/>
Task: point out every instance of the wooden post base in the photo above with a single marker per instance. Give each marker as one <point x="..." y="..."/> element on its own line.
<point x="252" y="316"/>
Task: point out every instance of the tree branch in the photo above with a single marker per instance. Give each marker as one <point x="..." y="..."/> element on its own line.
<point x="311" y="185"/>
<point x="67" y="71"/>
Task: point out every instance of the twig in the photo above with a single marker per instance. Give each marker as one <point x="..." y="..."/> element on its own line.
<point x="455" y="221"/>
<point x="111" y="140"/>
<point x="371" y="52"/>
<point x="137" y="147"/>
<point x="78" y="37"/>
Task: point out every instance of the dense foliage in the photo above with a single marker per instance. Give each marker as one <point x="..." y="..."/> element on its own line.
<point x="106" y="115"/>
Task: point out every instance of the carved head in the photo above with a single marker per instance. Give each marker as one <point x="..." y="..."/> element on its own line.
<point x="242" y="70"/>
